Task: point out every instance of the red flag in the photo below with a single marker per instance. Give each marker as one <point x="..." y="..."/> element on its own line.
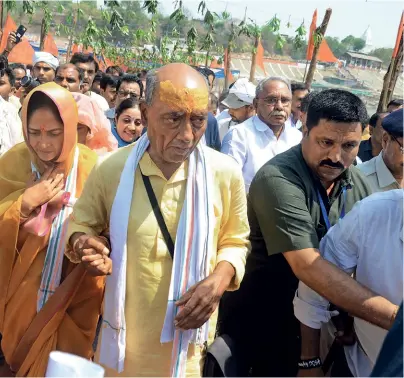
<point x="399" y="35"/>
<point x="50" y="45"/>
<point x="310" y="46"/>
<point x="260" y="58"/>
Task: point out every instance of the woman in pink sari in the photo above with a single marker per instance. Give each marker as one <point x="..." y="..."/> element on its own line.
<point x="94" y="129"/>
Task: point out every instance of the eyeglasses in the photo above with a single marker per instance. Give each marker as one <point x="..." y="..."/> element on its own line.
<point x="128" y="94"/>
<point x="274" y="100"/>
<point x="401" y="146"/>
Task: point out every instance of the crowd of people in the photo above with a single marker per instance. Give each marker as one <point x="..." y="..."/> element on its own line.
<point x="159" y="228"/>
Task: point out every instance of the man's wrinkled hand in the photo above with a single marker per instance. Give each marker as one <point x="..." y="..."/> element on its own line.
<point x="199" y="303"/>
<point x="94" y="252"/>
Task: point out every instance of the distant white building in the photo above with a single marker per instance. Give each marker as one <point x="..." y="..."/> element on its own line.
<point x="367" y="37"/>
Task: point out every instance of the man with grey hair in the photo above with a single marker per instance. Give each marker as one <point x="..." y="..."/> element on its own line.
<point x="177" y="218"/>
<point x="258" y="139"/>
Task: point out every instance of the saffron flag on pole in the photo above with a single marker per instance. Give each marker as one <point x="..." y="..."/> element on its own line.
<point x="399" y="35"/>
<point x="310" y="46"/>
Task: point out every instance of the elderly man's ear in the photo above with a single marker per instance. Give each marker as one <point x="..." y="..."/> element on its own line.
<point x="143" y="111"/>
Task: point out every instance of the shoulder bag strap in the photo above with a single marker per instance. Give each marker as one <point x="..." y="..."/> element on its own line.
<point x="158" y="214"/>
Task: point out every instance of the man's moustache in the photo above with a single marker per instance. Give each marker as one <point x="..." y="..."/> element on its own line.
<point x="277" y="113"/>
<point x="330" y="163"/>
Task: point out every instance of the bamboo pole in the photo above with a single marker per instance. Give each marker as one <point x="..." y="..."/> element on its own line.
<point x="321" y="30"/>
<point x="390" y="79"/>
<point x="254" y="58"/>
<point x="228" y="67"/>
<point x="1" y="13"/>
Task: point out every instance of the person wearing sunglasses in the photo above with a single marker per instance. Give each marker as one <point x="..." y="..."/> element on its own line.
<point x="385" y="171"/>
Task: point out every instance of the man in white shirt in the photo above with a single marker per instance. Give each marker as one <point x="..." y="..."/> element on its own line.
<point x="89" y="67"/>
<point x="265" y="135"/>
<point x="240" y="105"/>
<point x="299" y="91"/>
<point x="385" y="171"/>
<point x="10" y="126"/>
<point x="367" y="242"/>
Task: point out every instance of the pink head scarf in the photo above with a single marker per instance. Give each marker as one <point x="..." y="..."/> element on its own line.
<point x="100" y="139"/>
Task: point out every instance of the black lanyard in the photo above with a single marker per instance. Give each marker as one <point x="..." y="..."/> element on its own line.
<point x="324" y="210"/>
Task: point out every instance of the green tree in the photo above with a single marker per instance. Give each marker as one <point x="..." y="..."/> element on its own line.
<point x="384" y="54"/>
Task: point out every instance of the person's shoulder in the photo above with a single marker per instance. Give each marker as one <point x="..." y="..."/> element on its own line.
<point x="223" y="166"/>
<point x="114" y="162"/>
<point x="386" y="203"/>
<point x="242" y="129"/>
<point x="16" y="157"/>
<point x="294" y="133"/>
<point x="368" y="167"/>
<point x="360" y="181"/>
<point x="284" y="167"/>
<point x="89" y="157"/>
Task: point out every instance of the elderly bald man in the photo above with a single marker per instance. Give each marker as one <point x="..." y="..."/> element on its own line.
<point x="176" y="214"/>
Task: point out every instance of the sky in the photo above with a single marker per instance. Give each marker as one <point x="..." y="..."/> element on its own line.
<point x="348" y="17"/>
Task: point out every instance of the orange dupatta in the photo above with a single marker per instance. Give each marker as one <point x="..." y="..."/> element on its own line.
<point x="68" y="320"/>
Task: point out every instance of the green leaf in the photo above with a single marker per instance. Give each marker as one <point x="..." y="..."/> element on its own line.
<point x="61" y="8"/>
<point x="202" y="7"/>
<point x="274" y="24"/>
<point x="28" y="7"/>
<point x="209" y="18"/>
<point x="80" y="12"/>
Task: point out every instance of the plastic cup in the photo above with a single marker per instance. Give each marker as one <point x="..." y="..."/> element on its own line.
<point x="66" y="365"/>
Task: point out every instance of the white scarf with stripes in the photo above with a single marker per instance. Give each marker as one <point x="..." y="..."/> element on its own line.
<point x="193" y="242"/>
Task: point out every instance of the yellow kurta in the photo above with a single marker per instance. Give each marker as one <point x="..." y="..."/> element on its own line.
<point x="149" y="263"/>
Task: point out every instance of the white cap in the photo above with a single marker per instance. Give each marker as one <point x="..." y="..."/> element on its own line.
<point x="242" y="93"/>
<point x="45" y="57"/>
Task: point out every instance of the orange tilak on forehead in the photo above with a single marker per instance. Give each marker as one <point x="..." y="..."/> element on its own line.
<point x="183" y="99"/>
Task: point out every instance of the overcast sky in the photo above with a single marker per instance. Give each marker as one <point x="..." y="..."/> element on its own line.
<point x="348" y="17"/>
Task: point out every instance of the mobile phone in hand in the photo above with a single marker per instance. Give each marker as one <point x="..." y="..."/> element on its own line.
<point x="20" y="33"/>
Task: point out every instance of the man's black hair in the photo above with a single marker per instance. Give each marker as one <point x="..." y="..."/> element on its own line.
<point x="206" y="72"/>
<point x="10" y="74"/>
<point x="395" y="102"/>
<point x="67" y="65"/>
<point x="108" y="81"/>
<point x="374" y="118"/>
<point x="336" y="105"/>
<point x="84" y="58"/>
<point x="111" y="69"/>
<point x="304" y="105"/>
<point x="98" y="76"/>
<point x="298" y="87"/>
<point x="18" y="66"/>
<point x="130" y="79"/>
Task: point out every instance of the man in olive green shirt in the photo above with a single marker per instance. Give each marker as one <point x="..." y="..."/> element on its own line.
<point x="287" y="223"/>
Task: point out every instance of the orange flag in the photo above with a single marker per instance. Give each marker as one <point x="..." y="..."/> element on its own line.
<point x="50" y="45"/>
<point x="325" y="54"/>
<point x="23" y="51"/>
<point x="260" y="58"/>
<point x="75" y="49"/>
<point x="399" y="35"/>
<point x="310" y="46"/>
<point x="215" y="64"/>
<point x="88" y="50"/>
<point x="9" y="26"/>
